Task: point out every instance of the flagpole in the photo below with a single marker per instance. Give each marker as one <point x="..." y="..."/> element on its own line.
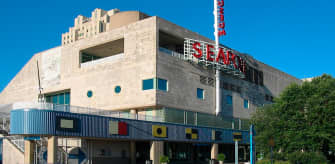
<point x="218" y="72"/>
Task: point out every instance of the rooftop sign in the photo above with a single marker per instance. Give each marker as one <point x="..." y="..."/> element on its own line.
<point x="204" y="53"/>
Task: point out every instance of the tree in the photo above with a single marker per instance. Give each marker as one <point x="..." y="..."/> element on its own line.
<point x="302" y="118"/>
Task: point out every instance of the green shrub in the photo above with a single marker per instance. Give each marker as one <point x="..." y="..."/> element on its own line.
<point x="164" y="159"/>
<point x="281" y="162"/>
<point x="221" y="157"/>
<point x="268" y="161"/>
<point x="264" y="161"/>
<point x="307" y="158"/>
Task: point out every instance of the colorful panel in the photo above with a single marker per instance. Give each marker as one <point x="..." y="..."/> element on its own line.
<point x="118" y="128"/>
<point x="159" y="131"/>
<point x="191" y="133"/>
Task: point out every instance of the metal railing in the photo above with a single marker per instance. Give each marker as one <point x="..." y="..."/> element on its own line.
<point x="169" y="115"/>
<point x="18" y="141"/>
<point x="178" y="55"/>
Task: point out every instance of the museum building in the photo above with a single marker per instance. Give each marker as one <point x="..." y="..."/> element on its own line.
<point x="125" y="87"/>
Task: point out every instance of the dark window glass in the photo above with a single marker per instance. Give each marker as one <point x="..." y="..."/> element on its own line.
<point x="55" y="99"/>
<point x="61" y="98"/>
<point x="261" y="80"/>
<point x="246" y="104"/>
<point x="117" y="89"/>
<point x="148" y="84"/>
<point x="200" y="93"/>
<point x="162" y="84"/>
<point x="67" y="98"/>
<point x="229" y="99"/>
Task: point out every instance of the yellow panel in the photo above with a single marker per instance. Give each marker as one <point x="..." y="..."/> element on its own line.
<point x="194" y="136"/>
<point x="159" y="131"/>
<point x="188" y="130"/>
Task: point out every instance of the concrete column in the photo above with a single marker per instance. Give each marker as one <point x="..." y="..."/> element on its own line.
<point x="132" y="152"/>
<point x="29" y="149"/>
<point x="214" y="151"/>
<point x="156" y="151"/>
<point x="133" y="113"/>
<point x="52" y="149"/>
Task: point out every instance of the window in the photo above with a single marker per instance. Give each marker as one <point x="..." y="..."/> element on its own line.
<point x="110" y="49"/>
<point x="117" y="89"/>
<point x="155" y="83"/>
<point x="59" y="98"/>
<point x="246" y="104"/>
<point x="229" y="99"/>
<point x="200" y="93"/>
<point x="89" y="94"/>
<point x="162" y="84"/>
<point x="148" y="84"/>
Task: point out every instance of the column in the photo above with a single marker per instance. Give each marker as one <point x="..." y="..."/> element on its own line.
<point x="133" y="113"/>
<point x="214" y="151"/>
<point x="29" y="148"/>
<point x="132" y="152"/>
<point x="156" y="151"/>
<point x="52" y="150"/>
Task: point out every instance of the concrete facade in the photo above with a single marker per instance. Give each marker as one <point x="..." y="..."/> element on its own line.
<point x="125" y="48"/>
<point x="61" y="70"/>
<point x="11" y="155"/>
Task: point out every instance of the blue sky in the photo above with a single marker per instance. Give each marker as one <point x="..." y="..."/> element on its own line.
<point x="295" y="36"/>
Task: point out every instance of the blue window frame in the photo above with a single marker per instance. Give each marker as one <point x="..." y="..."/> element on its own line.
<point x="162" y="84"/>
<point x="246" y="104"/>
<point x="148" y="84"/>
<point x="200" y="93"/>
<point x="229" y="99"/>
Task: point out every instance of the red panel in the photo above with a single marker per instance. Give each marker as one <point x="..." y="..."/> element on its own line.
<point x="123" y="128"/>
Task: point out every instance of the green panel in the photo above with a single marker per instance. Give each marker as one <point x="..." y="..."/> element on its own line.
<point x="174" y="116"/>
<point x="190" y="118"/>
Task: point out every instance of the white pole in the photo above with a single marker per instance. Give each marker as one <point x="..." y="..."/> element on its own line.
<point x="217" y="73"/>
<point x="236" y="152"/>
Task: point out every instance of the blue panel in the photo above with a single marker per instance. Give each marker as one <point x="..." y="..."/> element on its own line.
<point x="44" y="122"/>
<point x="148" y="84"/>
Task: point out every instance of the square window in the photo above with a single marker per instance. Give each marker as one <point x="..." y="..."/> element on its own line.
<point x="229" y="99"/>
<point x="162" y="84"/>
<point x="246" y="104"/>
<point x="200" y="93"/>
<point x="148" y="84"/>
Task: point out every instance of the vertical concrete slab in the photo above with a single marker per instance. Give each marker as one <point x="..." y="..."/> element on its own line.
<point x="214" y="151"/>
<point x="52" y="149"/>
<point x="29" y="148"/>
<point x="132" y="152"/>
<point x="156" y="151"/>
